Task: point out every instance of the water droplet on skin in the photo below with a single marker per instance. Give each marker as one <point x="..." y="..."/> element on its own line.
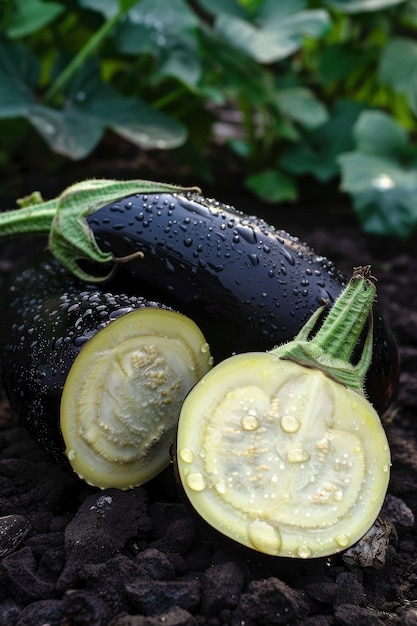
<point x="71" y="455"/>
<point x="186" y="455"/>
<point x="304" y="552"/>
<point x="264" y="537"/>
<point x="196" y="482"/>
<point x="205" y="348"/>
<point x="297" y="455"/>
<point x="290" y="424"/>
<point x="247" y="233"/>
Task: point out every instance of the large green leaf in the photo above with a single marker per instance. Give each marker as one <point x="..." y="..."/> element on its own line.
<point x="19" y="72"/>
<point x="28" y="16"/>
<point x="228" y="7"/>
<point x="301" y="105"/>
<point x="398" y="68"/>
<point x="283" y="27"/>
<point x="108" y="8"/>
<point x="362" y="6"/>
<point x="272" y="186"/>
<point x="89" y="108"/>
<point x="381" y="176"/>
<point x="317" y="151"/>
<point x="166" y="31"/>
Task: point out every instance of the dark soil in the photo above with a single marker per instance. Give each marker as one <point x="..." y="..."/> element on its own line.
<point x="72" y="555"/>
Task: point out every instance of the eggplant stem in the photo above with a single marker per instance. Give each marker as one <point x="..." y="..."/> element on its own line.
<point x="331" y="348"/>
<point x="62" y="219"/>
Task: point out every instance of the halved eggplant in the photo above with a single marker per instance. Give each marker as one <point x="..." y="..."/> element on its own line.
<point x="280" y="451"/>
<point x="99" y="375"/>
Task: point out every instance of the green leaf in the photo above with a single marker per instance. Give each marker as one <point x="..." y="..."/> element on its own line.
<point x="316" y="153"/>
<point x="166" y="31"/>
<point x="362" y="6"/>
<point x="376" y="132"/>
<point x="301" y="105"/>
<point x="91" y="102"/>
<point x="272" y="186"/>
<point x="90" y="107"/>
<point x="19" y="72"/>
<point x="108" y="8"/>
<point x="381" y="176"/>
<point x="67" y="132"/>
<point x="398" y="69"/>
<point x="282" y="30"/>
<point x="217" y="7"/>
<point x="29" y="16"/>
<point x="340" y="59"/>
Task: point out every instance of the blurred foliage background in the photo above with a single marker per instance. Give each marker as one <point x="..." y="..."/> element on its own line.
<point x="281" y="95"/>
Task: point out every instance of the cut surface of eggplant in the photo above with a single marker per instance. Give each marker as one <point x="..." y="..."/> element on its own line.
<point x="281" y="451"/>
<point x="281" y="458"/>
<point x="97" y="374"/>
<point x="124" y="392"/>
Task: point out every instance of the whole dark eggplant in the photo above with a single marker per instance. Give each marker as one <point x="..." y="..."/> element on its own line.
<point x="98" y="375"/>
<point x="247" y="285"/>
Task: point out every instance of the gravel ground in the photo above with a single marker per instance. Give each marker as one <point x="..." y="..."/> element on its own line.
<point x="72" y="555"/>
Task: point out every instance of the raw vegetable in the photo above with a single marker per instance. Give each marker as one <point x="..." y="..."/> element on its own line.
<point x="281" y="451"/>
<point x="247" y="285"/>
<point x="98" y="374"/>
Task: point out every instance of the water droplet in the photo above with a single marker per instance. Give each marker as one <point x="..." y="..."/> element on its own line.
<point x="287" y="255"/>
<point x="247" y="233"/>
<point x="338" y="495"/>
<point x="188" y="242"/>
<point x="264" y="537"/>
<point x="304" y="552"/>
<point x="221" y="487"/>
<point x="290" y="424"/>
<point x="204" y="348"/>
<point x="297" y="455"/>
<point x="342" y="540"/>
<point x="196" y="482"/>
<point x="186" y="455"/>
<point x="254" y="259"/>
<point x="249" y="422"/>
<point x="71" y="454"/>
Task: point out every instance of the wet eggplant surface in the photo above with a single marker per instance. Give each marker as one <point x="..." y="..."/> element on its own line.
<point x="71" y="554"/>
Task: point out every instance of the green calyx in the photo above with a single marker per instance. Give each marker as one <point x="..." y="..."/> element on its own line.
<point x="62" y="219"/>
<point x="331" y="348"/>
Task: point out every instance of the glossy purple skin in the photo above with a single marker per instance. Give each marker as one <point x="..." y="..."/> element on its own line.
<point x="47" y="317"/>
<point x="247" y="285"/>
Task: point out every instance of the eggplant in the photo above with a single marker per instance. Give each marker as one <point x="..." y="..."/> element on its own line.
<point x="280" y="451"/>
<point x="97" y="377"/>
<point x="247" y="285"/>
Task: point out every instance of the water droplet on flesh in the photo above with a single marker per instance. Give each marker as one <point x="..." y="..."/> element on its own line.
<point x="297" y="455"/>
<point x="304" y="552"/>
<point x="196" y="482"/>
<point x="290" y="424"/>
<point x="264" y="537"/>
<point x="186" y="455"/>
